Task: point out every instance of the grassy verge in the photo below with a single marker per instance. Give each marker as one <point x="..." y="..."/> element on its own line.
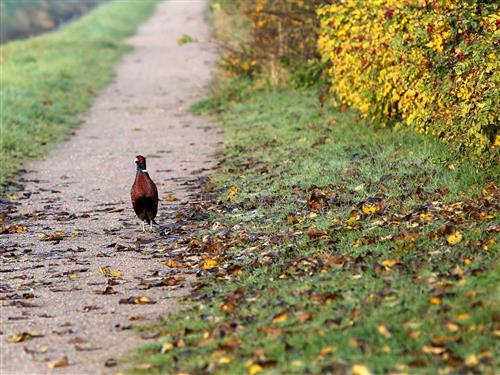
<point x="48" y="80"/>
<point x="333" y="247"/>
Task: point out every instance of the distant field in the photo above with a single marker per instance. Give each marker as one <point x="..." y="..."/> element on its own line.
<point x="47" y="81"/>
<point x="24" y="18"/>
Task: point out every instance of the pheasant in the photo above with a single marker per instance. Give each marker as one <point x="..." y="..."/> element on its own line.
<point x="144" y="194"/>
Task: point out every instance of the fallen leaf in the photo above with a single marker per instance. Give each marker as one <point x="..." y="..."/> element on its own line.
<point x="63" y="362"/>
<point x="41" y="350"/>
<point x="254" y="369"/>
<point x="23" y="336"/>
<point x="232" y="192"/>
<point x="77" y="340"/>
<point x="426" y="217"/>
<point x="452" y="327"/>
<point x="140" y="300"/>
<point x="471" y="360"/>
<point x="173" y="264"/>
<point x="389" y="263"/>
<point x="314" y="232"/>
<point x="58" y="235"/>
<point x="360" y="370"/>
<point x="369" y="208"/>
<point x="384" y="331"/>
<point x="327" y="350"/>
<point x="166" y="347"/>
<point x="454" y="238"/>
<point x="15" y="228"/>
<point x="463" y="316"/>
<point x="185" y="38"/>
<point x="281" y="317"/>
<point x="82" y="348"/>
<point x="435" y="301"/>
<point x="427" y="349"/>
<point x="110" y="362"/>
<point x="171" y="198"/>
<point x="209" y="264"/>
<point x="224" y="360"/>
<point x="108" y="272"/>
<point x="108" y="291"/>
<point x="359" y="187"/>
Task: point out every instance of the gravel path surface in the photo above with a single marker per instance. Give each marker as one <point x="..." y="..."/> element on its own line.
<point x="75" y="252"/>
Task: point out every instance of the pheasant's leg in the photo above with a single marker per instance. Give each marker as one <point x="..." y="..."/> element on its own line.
<point x="143" y="226"/>
<point x="151" y="226"/>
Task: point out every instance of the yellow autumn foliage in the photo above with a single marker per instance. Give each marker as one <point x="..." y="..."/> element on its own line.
<point x="431" y="65"/>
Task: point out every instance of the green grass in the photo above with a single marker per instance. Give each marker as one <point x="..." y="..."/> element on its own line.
<point x="282" y="301"/>
<point x="47" y="81"/>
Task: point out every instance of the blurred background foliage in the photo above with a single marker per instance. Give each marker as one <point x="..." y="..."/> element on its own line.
<point x="428" y="65"/>
<point x="24" y="18"/>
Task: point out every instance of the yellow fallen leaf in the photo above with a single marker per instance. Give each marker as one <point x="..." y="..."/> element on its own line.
<point x="327" y="350"/>
<point x="497" y="141"/>
<point x="281" y="317"/>
<point x="232" y="191"/>
<point x="173" y="264"/>
<point x="223" y="360"/>
<point x="433" y="349"/>
<point x="171" y="198"/>
<point x="166" y="347"/>
<point x="384" y="331"/>
<point x="389" y="263"/>
<point x="463" y="316"/>
<point x="254" y="369"/>
<point x="108" y="272"/>
<point x="360" y="370"/>
<point x="426" y="217"/>
<point x="454" y="238"/>
<point x="415" y="334"/>
<point x="14" y="197"/>
<point x="435" y="301"/>
<point x="23" y="336"/>
<point x="63" y="362"/>
<point x="352" y="220"/>
<point x="359" y="187"/>
<point x="15" y="228"/>
<point x="369" y="208"/>
<point x="209" y="264"/>
<point x="72" y="276"/>
<point x="141" y="300"/>
<point x="471" y="360"/>
<point x="452" y="327"/>
<point x="58" y="234"/>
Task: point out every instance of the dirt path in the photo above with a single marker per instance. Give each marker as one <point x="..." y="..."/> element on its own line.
<point x="76" y="208"/>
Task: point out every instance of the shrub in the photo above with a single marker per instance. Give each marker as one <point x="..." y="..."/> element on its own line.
<point x="429" y="64"/>
<point x="280" y="43"/>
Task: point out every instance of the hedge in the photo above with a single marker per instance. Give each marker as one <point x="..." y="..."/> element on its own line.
<point x="430" y="65"/>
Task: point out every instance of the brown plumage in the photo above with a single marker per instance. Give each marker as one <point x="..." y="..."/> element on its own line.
<point x="144" y="194"/>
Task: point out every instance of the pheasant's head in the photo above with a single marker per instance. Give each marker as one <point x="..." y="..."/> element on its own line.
<point x="140" y="161"/>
